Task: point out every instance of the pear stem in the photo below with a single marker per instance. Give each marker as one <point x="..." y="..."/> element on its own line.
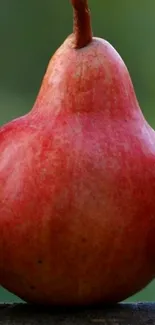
<point x="81" y="23"/>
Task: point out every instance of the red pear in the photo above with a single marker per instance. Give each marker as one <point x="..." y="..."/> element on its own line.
<point x="77" y="181"/>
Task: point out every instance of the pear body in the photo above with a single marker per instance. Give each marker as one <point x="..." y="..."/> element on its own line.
<point x="77" y="184"/>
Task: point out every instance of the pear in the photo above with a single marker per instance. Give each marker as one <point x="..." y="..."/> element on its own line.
<point x="77" y="181"/>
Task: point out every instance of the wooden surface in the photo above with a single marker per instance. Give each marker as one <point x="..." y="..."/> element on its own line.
<point x="121" y="314"/>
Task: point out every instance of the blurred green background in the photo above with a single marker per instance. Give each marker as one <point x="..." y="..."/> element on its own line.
<point x="30" y="32"/>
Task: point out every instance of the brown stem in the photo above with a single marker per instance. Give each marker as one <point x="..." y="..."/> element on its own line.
<point x="82" y="23"/>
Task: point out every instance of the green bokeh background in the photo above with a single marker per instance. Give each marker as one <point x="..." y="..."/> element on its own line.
<point x="30" y="32"/>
